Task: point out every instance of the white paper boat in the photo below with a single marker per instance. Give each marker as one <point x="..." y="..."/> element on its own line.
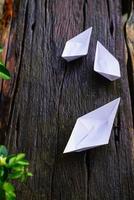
<point x="93" y="129"/>
<point x="77" y="46"/>
<point x="106" y="64"/>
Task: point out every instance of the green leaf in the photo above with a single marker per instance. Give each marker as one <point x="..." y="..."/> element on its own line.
<point x="23" y="178"/>
<point x="1" y="63"/>
<point x="29" y="174"/>
<point x="9" y="191"/>
<point x="3" y="150"/>
<point x="12" y="167"/>
<point x="20" y="156"/>
<point x="10" y="196"/>
<point x="23" y="162"/>
<point x="3" y="161"/>
<point x="8" y="187"/>
<point x="18" y="168"/>
<point x="1" y="172"/>
<point x="1" y="49"/>
<point x="4" y="73"/>
<point x="12" y="161"/>
<point x="15" y="175"/>
<point x="10" y="156"/>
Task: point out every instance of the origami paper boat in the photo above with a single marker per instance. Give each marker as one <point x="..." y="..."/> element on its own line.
<point x="106" y="64"/>
<point x="93" y="129"/>
<point x="77" y="46"/>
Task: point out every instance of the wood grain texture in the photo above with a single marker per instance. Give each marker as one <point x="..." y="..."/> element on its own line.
<point x="129" y="30"/>
<point x="47" y="95"/>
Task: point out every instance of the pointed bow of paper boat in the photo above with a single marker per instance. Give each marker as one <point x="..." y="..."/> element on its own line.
<point x="93" y="129"/>
<point x="77" y="46"/>
<point x="106" y="64"/>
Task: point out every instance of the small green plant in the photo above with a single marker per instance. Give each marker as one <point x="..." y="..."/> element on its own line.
<point x="4" y="73"/>
<point x="12" y="167"/>
<point x="1" y="49"/>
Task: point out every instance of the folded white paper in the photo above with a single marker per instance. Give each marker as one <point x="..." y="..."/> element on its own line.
<point x="106" y="64"/>
<point x="93" y="129"/>
<point x="77" y="46"/>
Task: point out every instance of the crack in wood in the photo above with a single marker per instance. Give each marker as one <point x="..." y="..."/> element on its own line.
<point x="116" y="130"/>
<point x="52" y="178"/>
<point x="46" y="3"/>
<point x="84" y="13"/>
<point x="108" y="9"/>
<point x="111" y="28"/>
<point x="86" y="158"/>
<point x="111" y="21"/>
<point x="33" y="26"/>
<point x="34" y="5"/>
<point x="17" y="130"/>
<point x="33" y="29"/>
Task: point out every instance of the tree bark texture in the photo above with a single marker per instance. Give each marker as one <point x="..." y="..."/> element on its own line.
<point x="39" y="106"/>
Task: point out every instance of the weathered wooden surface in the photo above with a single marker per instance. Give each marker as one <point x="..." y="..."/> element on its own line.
<point x="46" y="95"/>
<point x="129" y="29"/>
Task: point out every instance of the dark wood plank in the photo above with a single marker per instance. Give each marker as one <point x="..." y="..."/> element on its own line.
<point x="47" y="95"/>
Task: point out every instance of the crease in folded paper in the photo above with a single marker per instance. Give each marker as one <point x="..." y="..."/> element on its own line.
<point x="93" y="129"/>
<point x="77" y="46"/>
<point x="106" y="64"/>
